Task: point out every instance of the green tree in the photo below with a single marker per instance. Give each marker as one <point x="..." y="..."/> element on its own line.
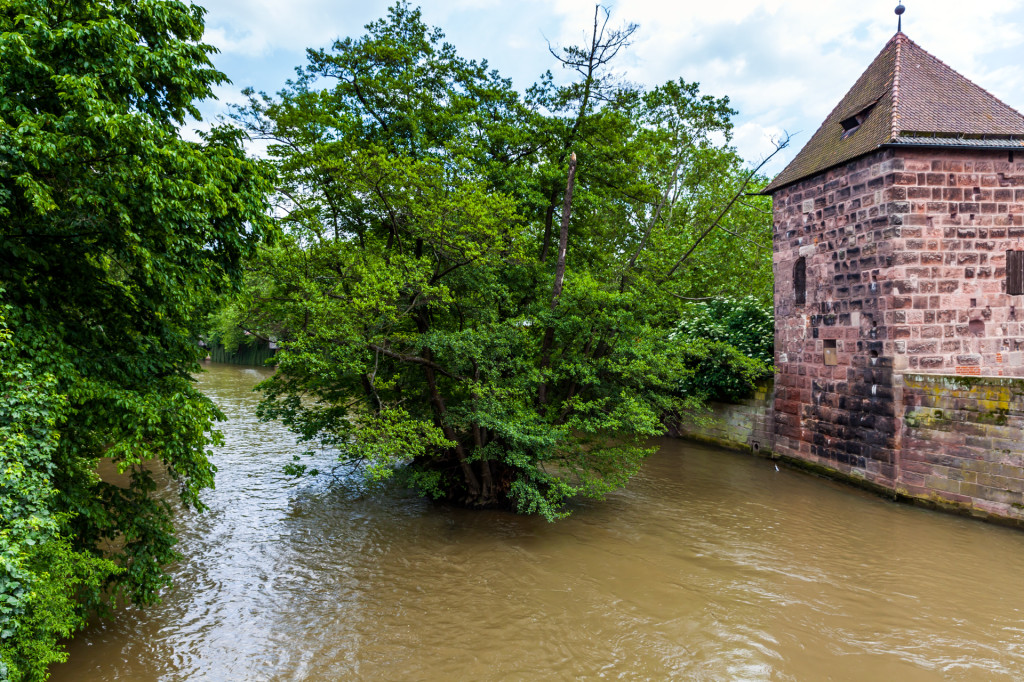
<point x="452" y="309"/>
<point x="116" y="236"/>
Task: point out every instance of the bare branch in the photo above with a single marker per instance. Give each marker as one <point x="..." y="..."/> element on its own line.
<point x="780" y="144"/>
<point x="743" y="237"/>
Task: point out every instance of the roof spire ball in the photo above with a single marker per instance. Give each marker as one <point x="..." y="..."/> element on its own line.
<point x="900" y="9"/>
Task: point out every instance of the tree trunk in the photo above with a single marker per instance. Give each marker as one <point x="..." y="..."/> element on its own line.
<point x="437" y="402"/>
<point x="549" y="221"/>
<point x="563" y="242"/>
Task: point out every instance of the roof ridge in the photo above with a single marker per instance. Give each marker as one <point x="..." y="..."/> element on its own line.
<point x="897" y="63"/>
<point x="842" y="100"/>
<point x="945" y="65"/>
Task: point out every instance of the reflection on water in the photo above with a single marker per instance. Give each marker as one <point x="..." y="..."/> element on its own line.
<point x="711" y="565"/>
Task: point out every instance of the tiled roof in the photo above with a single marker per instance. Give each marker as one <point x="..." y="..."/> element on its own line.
<point x="908" y="95"/>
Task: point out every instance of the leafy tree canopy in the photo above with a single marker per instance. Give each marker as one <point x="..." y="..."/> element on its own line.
<point x="477" y="290"/>
<point x="115" y="235"/>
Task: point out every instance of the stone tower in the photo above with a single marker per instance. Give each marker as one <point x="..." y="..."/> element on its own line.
<point x="898" y="250"/>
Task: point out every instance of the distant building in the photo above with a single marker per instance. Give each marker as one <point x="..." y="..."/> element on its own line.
<point x="899" y="252"/>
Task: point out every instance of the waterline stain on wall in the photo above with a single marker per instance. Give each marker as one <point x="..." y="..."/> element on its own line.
<point x="959" y="443"/>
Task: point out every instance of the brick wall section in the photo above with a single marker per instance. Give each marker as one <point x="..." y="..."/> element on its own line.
<point x="747" y="425"/>
<point x="954" y="215"/>
<point x="962" y="442"/>
<point x="842" y="223"/>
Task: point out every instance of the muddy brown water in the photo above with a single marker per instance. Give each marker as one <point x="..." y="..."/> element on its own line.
<point x="711" y="565"/>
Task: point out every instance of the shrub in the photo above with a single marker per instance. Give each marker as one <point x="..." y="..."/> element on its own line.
<point x="745" y="323"/>
<point x="719" y="371"/>
<point x="729" y="346"/>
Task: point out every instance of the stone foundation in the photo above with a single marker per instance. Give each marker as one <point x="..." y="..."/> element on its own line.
<point x="958" y="443"/>
<point x="746" y="425"/>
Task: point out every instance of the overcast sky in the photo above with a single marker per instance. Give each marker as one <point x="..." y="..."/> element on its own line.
<point x="784" y="63"/>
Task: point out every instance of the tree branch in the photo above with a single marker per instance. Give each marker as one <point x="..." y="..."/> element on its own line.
<point x="779" y="146"/>
<point x="416" y="360"/>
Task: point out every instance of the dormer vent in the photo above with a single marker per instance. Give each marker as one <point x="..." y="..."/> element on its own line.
<point x="851" y="124"/>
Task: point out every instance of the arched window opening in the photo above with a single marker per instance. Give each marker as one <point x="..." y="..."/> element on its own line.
<point x="800" y="280"/>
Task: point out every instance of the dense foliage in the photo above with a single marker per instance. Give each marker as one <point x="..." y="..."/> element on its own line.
<point x="115" y="236"/>
<point x="735" y="337"/>
<point x="479" y="290"/>
<point x="746" y="323"/>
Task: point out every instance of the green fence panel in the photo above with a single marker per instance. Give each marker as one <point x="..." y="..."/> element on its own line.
<point x="252" y="356"/>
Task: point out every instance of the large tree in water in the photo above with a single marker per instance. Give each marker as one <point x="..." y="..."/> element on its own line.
<point x="116" y="236"/>
<point x="477" y="290"/>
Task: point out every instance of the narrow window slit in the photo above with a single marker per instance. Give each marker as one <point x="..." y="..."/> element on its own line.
<point x="1015" y="273"/>
<point x="800" y="280"/>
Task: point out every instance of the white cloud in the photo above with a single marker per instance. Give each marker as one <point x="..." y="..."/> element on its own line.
<point x="783" y="63"/>
<point x="256" y="28"/>
<point x="758" y="142"/>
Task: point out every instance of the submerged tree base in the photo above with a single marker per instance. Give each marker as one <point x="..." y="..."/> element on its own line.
<point x="442" y="480"/>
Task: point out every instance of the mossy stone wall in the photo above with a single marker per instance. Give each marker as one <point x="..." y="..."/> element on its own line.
<point x="959" y="443"/>
<point x="963" y="443"/>
<point x="746" y="425"/>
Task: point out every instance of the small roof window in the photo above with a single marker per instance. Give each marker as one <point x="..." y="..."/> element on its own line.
<point x="851" y="124"/>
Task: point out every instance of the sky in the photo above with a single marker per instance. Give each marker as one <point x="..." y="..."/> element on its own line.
<point x="784" y="64"/>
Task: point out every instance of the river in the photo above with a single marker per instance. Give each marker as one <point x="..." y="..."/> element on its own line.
<point x="710" y="565"/>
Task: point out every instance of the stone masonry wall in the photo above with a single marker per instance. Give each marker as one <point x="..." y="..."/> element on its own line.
<point x="746" y="425"/>
<point x="955" y="214"/>
<point x="841" y="223"/>
<point x="962" y="444"/>
<point x="904" y="252"/>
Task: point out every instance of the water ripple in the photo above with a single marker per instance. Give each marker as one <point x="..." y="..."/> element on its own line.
<point x="709" y="566"/>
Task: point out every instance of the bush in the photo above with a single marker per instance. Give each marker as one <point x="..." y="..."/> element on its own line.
<point x="719" y="371"/>
<point x="41" y="573"/>
<point x="729" y="346"/>
<point x="744" y="323"/>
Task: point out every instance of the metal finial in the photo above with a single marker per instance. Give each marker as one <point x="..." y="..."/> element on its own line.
<point x="900" y="9"/>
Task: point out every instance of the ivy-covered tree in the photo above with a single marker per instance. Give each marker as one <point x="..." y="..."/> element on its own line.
<point x="116" y="235"/>
<point x="477" y="291"/>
